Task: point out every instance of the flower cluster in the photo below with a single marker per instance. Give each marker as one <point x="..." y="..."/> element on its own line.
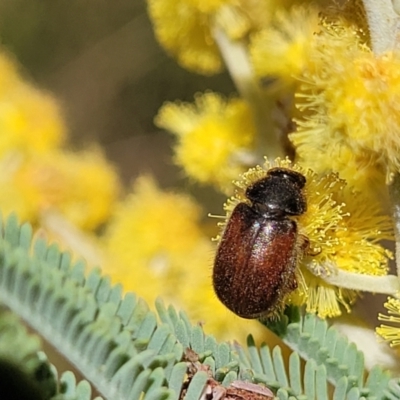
<point x="185" y="27"/>
<point x="38" y="173"/>
<point x="214" y="137"/>
<point x="311" y="85"/>
<point x="330" y="90"/>
<point x="152" y="241"/>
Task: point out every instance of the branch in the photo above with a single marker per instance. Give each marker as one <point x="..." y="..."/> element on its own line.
<point x="237" y="61"/>
<point x="383" y="23"/>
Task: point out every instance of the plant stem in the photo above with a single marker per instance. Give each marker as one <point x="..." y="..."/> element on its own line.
<point x="383" y="24"/>
<point x="384" y="27"/>
<point x="71" y="237"/>
<point x="237" y="61"/>
<point x="388" y="284"/>
<point x="394" y="190"/>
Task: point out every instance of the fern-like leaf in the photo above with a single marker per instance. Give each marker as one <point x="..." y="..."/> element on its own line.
<point x="127" y="351"/>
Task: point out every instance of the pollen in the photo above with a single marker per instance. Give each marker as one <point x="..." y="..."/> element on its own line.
<point x="391" y="333"/>
<point x="282" y="50"/>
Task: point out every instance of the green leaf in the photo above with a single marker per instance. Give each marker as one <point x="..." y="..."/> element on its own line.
<point x="125" y="351"/>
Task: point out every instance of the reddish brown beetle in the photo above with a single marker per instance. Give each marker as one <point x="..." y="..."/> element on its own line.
<point x="257" y="257"/>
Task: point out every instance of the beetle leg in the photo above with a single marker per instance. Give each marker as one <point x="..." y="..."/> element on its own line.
<point x="304" y="246"/>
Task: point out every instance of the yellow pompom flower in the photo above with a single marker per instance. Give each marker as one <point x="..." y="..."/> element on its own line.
<point x="343" y="232"/>
<point x="156" y="247"/>
<point x="151" y="222"/>
<point x="80" y="186"/>
<point x="363" y="100"/>
<point x="243" y="17"/>
<point x="390" y="333"/>
<point x="214" y="137"/>
<point x="153" y="241"/>
<point x="324" y="152"/>
<point x="183" y="29"/>
<point x="207" y="6"/>
<point x="282" y="49"/>
<point x="349" y="104"/>
<point x="9" y="74"/>
<point x="30" y="121"/>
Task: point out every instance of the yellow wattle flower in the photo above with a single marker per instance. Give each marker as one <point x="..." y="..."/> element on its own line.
<point x="184" y="30"/>
<point x="10" y="77"/>
<point x="349" y="108"/>
<point x="363" y="101"/>
<point x="323" y="151"/>
<point x="30" y="122"/>
<point x="206" y="6"/>
<point x="150" y="222"/>
<point x="214" y="137"/>
<point x="240" y="18"/>
<point x="283" y="48"/>
<point x="30" y="119"/>
<point x="80" y="186"/>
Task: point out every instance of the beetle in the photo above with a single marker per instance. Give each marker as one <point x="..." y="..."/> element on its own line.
<point x="255" y="263"/>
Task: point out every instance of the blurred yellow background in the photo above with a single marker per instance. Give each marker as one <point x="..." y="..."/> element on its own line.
<point x="100" y="60"/>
